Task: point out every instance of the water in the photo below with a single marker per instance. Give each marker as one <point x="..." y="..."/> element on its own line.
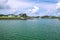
<point x="37" y="29"/>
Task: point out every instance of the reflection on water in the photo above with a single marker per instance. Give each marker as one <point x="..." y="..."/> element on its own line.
<point x="37" y="29"/>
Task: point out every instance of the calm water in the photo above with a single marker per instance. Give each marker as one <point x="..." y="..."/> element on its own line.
<point x="37" y="29"/>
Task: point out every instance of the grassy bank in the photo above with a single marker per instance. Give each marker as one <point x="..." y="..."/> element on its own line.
<point x="5" y="18"/>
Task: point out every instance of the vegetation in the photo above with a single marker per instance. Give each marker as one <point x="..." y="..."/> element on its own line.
<point x="45" y="16"/>
<point x="54" y="17"/>
<point x="12" y="16"/>
<point x="24" y="16"/>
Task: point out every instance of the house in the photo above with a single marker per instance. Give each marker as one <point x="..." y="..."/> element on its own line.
<point x="11" y="15"/>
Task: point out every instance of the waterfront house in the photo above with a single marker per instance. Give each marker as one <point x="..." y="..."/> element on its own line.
<point x="11" y="15"/>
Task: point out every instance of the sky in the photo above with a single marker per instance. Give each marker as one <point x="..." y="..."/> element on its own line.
<point x="30" y="7"/>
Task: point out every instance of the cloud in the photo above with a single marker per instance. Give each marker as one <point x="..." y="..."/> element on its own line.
<point x="57" y="9"/>
<point x="30" y="7"/>
<point x="34" y="9"/>
<point x="43" y="9"/>
<point x="58" y="5"/>
<point x="14" y="4"/>
<point x="3" y="4"/>
<point x="19" y="6"/>
<point x="2" y="7"/>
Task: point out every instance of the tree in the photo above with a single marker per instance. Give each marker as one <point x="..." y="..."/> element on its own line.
<point x="23" y="15"/>
<point x="45" y="16"/>
<point x="1" y="15"/>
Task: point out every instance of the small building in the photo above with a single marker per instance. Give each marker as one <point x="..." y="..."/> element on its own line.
<point x="11" y="15"/>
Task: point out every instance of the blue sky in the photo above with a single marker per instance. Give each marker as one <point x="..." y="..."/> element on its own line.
<point x="50" y="1"/>
<point x="31" y="7"/>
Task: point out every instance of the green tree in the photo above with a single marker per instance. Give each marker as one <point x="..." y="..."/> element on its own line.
<point x="23" y="15"/>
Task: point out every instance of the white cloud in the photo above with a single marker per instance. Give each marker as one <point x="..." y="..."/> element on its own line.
<point x="19" y="4"/>
<point x="58" y="5"/>
<point x="34" y="9"/>
<point x="41" y="8"/>
<point x="2" y="2"/>
<point x="57" y="9"/>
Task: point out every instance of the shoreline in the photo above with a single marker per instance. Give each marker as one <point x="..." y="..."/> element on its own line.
<point x="24" y="18"/>
<point x="12" y="18"/>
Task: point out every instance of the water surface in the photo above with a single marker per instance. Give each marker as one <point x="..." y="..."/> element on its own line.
<point x="37" y="29"/>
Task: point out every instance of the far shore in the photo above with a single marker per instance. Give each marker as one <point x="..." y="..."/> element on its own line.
<point x="24" y="16"/>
